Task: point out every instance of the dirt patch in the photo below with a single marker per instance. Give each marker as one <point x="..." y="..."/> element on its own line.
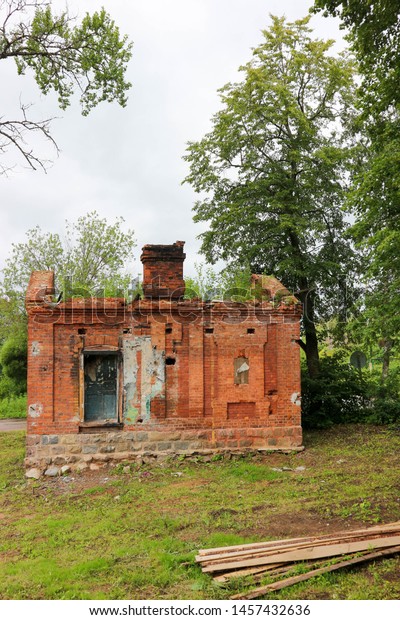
<point x="223" y="511"/>
<point x="393" y="576"/>
<point x="299" y="524"/>
<point x="261" y="507"/>
<point x="73" y="483"/>
<point x="106" y="477"/>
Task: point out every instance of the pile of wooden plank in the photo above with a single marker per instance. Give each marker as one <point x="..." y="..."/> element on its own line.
<point x="280" y="558"/>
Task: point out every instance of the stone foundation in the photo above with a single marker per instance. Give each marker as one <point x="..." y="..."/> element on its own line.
<point x="126" y="446"/>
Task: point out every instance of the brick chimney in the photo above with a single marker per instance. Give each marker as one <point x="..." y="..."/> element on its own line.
<point x="163" y="271"/>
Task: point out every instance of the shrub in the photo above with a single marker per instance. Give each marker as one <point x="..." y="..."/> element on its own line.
<point x="385" y="399"/>
<point x="13" y="407"/>
<point x="339" y="395"/>
<point x="9" y="387"/>
<point x="384" y="411"/>
<point x="343" y="394"/>
<point x="13" y="361"/>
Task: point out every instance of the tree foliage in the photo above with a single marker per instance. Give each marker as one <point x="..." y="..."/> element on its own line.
<point x="89" y="57"/>
<point x="88" y="260"/>
<point x="375" y="37"/>
<point x="272" y="170"/>
<point x="228" y="284"/>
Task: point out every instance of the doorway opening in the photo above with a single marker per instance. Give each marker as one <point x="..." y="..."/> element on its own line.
<point x="101" y="387"/>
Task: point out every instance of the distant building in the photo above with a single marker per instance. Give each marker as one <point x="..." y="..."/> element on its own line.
<point x="112" y="380"/>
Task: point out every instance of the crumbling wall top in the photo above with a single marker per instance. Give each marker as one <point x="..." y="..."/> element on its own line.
<point x="269" y="287"/>
<point x="41" y="285"/>
<point x="173" y="252"/>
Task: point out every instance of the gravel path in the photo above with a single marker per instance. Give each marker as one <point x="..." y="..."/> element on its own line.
<point x="12" y="425"/>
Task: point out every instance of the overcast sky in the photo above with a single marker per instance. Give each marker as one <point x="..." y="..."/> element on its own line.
<point x="128" y="162"/>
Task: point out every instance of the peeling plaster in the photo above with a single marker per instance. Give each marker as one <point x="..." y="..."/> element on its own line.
<point x="131" y="415"/>
<point x="152" y="377"/>
<point x="130" y="350"/>
<point x="35" y="348"/>
<point x="296" y="398"/>
<point x="35" y="410"/>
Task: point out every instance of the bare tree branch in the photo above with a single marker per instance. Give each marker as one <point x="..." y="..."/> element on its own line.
<point x="13" y="135"/>
<point x="89" y="57"/>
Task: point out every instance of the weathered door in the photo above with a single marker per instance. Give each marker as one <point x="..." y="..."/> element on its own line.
<point x="101" y="373"/>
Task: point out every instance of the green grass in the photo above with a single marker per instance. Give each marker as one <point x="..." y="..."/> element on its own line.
<point x="134" y="536"/>
<point x="13" y="407"/>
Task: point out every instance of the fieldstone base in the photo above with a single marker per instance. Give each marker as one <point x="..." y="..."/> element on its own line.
<point x="80" y="449"/>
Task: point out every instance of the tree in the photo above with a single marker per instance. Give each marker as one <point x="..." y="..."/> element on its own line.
<point x="374" y="34"/>
<point x="90" y="57"/>
<point x="272" y="169"/>
<point x="89" y="261"/>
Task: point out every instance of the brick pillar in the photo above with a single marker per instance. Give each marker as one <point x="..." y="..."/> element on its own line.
<point x="163" y="271"/>
<point x="41" y="319"/>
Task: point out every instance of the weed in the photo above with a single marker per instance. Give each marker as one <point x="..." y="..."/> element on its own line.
<point x="13" y="407"/>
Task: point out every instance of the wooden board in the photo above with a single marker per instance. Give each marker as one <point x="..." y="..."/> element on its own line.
<point x="269" y="550"/>
<point x="308" y="553"/>
<point x="395" y="526"/>
<point x="266" y="568"/>
<point x="284" y="583"/>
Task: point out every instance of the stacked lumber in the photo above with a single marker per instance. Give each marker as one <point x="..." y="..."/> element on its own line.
<point x="281" y="558"/>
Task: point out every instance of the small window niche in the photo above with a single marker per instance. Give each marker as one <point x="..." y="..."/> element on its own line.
<point x="241" y="368"/>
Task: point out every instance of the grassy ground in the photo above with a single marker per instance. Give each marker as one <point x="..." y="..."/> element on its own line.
<point x="114" y="535"/>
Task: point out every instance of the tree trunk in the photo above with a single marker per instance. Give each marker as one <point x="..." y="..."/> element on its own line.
<point x="307" y="298"/>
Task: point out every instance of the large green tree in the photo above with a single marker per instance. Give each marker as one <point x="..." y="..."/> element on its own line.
<point x="65" y="56"/>
<point x="374" y="34"/>
<point x="90" y="258"/>
<point x="272" y="170"/>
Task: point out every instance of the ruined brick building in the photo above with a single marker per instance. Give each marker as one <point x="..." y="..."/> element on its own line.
<point x="108" y="379"/>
